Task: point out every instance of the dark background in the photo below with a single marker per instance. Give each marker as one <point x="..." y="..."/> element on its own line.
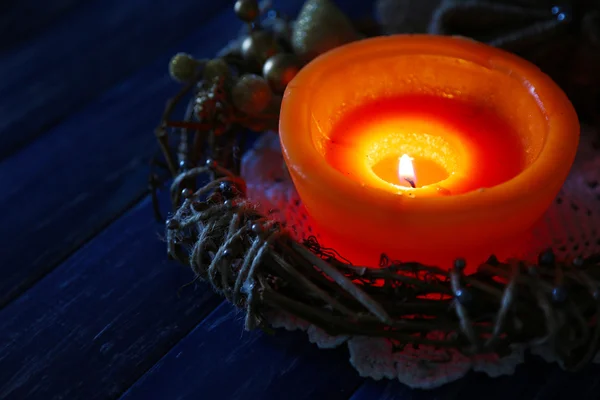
<point x="90" y="308"/>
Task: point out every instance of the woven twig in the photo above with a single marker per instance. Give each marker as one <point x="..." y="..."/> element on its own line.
<point x="256" y="264"/>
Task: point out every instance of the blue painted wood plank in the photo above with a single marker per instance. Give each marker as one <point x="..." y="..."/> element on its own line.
<point x="79" y="58"/>
<point x="533" y="380"/>
<point x="393" y="390"/>
<point x="21" y="20"/>
<point x="97" y="323"/>
<point x="218" y="360"/>
<point x="70" y="183"/>
<point x="558" y="384"/>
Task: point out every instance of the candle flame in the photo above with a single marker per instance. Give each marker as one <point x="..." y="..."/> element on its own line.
<point x="406" y="170"/>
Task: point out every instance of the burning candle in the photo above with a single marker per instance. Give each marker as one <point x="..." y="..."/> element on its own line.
<point x="406" y="171"/>
<point x="455" y="146"/>
<point x="425" y="148"/>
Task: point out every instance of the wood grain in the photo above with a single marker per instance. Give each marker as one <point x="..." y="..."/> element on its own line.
<point x="218" y="360"/>
<point x="97" y="323"/>
<point x="91" y="49"/>
<point x="22" y="20"/>
<point x="69" y="184"/>
<point x="535" y="379"/>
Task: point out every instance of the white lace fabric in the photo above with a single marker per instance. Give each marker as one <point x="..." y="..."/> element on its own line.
<point x="569" y="226"/>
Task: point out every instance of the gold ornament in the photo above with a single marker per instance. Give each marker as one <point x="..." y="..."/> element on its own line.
<point x="321" y="26"/>
<point x="246" y="10"/>
<point x="280" y="69"/>
<point x="251" y="94"/>
<point x="183" y="67"/>
<point x="215" y="69"/>
<point x="259" y="46"/>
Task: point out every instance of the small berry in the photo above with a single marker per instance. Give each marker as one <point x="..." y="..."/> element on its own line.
<point x="228" y="190"/>
<point x="559" y="294"/>
<point x="463" y="296"/>
<point x="215" y="71"/>
<point x="256" y="228"/>
<point x="547" y="258"/>
<point x="184" y="165"/>
<point x="172" y="224"/>
<point x="246" y="10"/>
<point x="460" y="264"/>
<point x="210" y="163"/>
<point x="183" y="67"/>
<point x="187" y="193"/>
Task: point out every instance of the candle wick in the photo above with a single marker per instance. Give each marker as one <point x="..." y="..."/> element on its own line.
<point x="410" y="181"/>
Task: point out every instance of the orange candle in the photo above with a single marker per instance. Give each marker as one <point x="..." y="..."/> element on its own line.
<point x="451" y="145"/>
<point x="425" y="148"/>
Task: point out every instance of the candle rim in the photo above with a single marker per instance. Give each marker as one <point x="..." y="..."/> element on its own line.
<point x="559" y="148"/>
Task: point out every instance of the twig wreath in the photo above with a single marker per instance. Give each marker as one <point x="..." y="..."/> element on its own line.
<point x="254" y="262"/>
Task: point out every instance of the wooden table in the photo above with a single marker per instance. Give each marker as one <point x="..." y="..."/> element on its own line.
<point x="90" y="308"/>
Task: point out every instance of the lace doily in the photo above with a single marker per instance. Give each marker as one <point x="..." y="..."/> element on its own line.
<point x="570" y="226"/>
